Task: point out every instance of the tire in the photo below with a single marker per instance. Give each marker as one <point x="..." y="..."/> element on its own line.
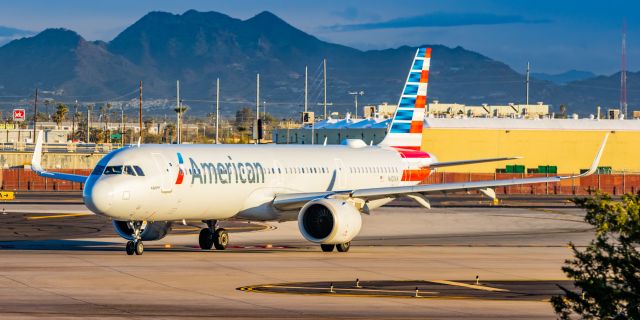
<point x="139" y="247"/>
<point x="205" y="239"/>
<point x="220" y="239"/>
<point x="130" y="248"/>
<point x="343" y="247"/>
<point x="327" y="247"/>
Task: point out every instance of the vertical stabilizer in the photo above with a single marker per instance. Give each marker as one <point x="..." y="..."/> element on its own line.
<point x="405" y="130"/>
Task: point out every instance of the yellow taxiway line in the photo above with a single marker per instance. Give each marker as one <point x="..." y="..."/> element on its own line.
<point x="67" y="215"/>
<point x="347" y="289"/>
<point x="470" y="286"/>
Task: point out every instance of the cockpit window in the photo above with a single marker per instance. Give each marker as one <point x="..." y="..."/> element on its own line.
<point x="113" y="170"/>
<point x="97" y="170"/>
<point x="138" y="171"/>
<point x="129" y="170"/>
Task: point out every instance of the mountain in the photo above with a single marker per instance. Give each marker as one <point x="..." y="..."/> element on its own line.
<point x="8" y="33"/>
<point x="565" y="77"/>
<point x="585" y="95"/>
<point x="197" y="47"/>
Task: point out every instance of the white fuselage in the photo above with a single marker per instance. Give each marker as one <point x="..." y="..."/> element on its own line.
<point x="225" y="181"/>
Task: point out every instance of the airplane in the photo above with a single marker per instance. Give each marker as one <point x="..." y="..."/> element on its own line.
<point x="146" y="188"/>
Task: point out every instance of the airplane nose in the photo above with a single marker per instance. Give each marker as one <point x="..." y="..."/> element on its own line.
<point x="100" y="196"/>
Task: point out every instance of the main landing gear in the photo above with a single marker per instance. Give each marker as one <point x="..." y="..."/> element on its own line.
<point x="135" y="245"/>
<point x="343" y="247"/>
<point x="212" y="236"/>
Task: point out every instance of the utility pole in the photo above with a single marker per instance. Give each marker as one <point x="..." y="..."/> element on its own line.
<point x="217" y="108"/>
<point x="325" y="88"/>
<point x="35" y="115"/>
<point x="355" y="94"/>
<point x="73" y="120"/>
<point x="139" y="111"/>
<point x="88" y="123"/>
<point x="257" y="97"/>
<point x="305" y="87"/>
<point x="527" y="90"/>
<point x="122" y="127"/>
<point x="179" y="111"/>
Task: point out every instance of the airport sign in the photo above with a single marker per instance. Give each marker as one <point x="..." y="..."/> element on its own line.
<point x="18" y="114"/>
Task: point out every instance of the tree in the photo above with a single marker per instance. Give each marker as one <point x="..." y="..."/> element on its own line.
<point x="61" y="113"/>
<point x="607" y="272"/>
<point x="244" y="119"/>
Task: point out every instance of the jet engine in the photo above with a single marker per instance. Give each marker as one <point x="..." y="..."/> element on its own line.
<point x="329" y="221"/>
<point x="150" y="230"/>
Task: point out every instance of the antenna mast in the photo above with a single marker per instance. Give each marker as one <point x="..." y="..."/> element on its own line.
<point x="623" y="72"/>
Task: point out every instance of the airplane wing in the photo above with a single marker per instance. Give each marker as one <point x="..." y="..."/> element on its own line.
<point x="296" y="201"/>
<point x="37" y="167"/>
<point x="463" y="162"/>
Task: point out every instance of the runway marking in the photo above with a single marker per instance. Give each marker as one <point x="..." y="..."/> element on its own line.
<point x="470" y="286"/>
<point x="185" y="229"/>
<point x="344" y="289"/>
<point x="58" y="216"/>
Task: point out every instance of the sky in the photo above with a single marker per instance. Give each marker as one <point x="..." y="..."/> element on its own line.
<point x="554" y="36"/>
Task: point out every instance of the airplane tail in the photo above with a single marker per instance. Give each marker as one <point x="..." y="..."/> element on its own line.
<point x="405" y="131"/>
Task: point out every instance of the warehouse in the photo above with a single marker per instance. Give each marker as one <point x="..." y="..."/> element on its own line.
<point x="551" y="145"/>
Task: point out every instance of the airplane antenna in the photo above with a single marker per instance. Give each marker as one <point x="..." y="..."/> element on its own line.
<point x="325" y="141"/>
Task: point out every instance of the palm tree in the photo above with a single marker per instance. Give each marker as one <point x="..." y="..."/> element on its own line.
<point x="61" y="113"/>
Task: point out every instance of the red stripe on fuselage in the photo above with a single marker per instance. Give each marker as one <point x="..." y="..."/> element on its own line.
<point x="180" y="176"/>
<point x="415" y="174"/>
<point x="414" y="152"/>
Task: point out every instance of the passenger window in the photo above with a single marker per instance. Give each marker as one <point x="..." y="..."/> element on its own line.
<point x="139" y="171"/>
<point x="113" y="170"/>
<point x="129" y="170"/>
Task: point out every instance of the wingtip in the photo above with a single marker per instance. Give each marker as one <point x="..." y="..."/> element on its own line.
<point x="37" y="153"/>
<point x="596" y="161"/>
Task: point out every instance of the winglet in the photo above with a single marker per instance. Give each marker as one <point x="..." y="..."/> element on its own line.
<point x="37" y="154"/>
<point x="596" y="161"/>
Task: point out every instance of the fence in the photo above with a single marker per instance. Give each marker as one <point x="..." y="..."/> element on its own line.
<point x="615" y="184"/>
<point x="24" y="180"/>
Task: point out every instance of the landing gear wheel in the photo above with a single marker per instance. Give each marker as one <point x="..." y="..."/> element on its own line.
<point x="327" y="247"/>
<point x="220" y="239"/>
<point x="206" y="239"/>
<point x="139" y="248"/>
<point x="343" y="247"/>
<point x="130" y="248"/>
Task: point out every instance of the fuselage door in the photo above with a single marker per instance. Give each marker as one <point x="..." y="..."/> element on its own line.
<point x="165" y="169"/>
<point x="339" y="175"/>
<point x="278" y="174"/>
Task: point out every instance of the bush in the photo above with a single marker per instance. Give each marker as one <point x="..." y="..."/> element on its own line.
<point x="607" y="272"/>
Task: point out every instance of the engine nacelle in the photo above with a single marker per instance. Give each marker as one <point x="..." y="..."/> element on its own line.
<point x="150" y="230"/>
<point x="329" y="221"/>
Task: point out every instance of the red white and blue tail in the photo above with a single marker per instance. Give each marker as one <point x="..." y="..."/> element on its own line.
<point x="405" y="131"/>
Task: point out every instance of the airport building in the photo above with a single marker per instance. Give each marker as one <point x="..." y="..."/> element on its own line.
<point x="546" y="145"/>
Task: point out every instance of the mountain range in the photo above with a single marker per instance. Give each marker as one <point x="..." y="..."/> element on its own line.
<point x="198" y="47"/>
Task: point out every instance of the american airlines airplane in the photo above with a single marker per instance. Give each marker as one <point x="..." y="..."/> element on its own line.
<point x="326" y="188"/>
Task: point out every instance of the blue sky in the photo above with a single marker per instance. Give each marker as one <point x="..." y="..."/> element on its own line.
<point x="555" y="36"/>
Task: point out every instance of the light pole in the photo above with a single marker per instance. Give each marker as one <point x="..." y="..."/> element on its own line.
<point x="355" y="94"/>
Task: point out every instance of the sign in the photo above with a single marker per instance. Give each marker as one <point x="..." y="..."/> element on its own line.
<point x="7" y="195"/>
<point x="18" y="114"/>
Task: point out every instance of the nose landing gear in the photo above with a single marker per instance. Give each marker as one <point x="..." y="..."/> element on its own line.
<point x="212" y="236"/>
<point x="135" y="245"/>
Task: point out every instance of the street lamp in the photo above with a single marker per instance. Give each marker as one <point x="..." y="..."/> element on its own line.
<point x="355" y="94"/>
